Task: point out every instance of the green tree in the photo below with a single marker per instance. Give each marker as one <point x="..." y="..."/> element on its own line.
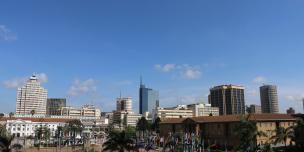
<point x="42" y="133"/>
<point x="33" y="112"/>
<point x="6" y="140"/>
<point x="11" y="114"/>
<point x="299" y="135"/>
<point x="74" y="126"/>
<point x="282" y="134"/>
<point x="247" y="132"/>
<point x="118" y="141"/>
<point x="142" y="125"/>
<point x="155" y="125"/>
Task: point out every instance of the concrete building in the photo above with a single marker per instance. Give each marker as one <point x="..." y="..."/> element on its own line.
<point x="54" y="106"/>
<point x="255" y="109"/>
<point x="201" y="109"/>
<point x="78" y="113"/>
<point x="148" y="99"/>
<point x="269" y="99"/>
<point x="124" y="119"/>
<point x="228" y="98"/>
<point x="24" y="127"/>
<point x="124" y="104"/>
<point x="31" y="97"/>
<point x="180" y="111"/>
<point x="220" y="130"/>
<point x="290" y="111"/>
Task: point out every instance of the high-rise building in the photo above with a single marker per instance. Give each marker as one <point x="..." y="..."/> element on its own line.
<point x="229" y="98"/>
<point x="255" y="109"/>
<point x="54" y="105"/>
<point x="269" y="99"/>
<point x="31" y="97"/>
<point x="290" y="111"/>
<point x="124" y="104"/>
<point x="148" y="99"/>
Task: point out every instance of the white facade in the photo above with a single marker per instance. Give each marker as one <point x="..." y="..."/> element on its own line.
<point x="85" y="111"/>
<point x="127" y="118"/>
<point x="124" y="104"/>
<point x="202" y="109"/>
<point x="31" y="97"/>
<point x="175" y="112"/>
<point x="25" y="128"/>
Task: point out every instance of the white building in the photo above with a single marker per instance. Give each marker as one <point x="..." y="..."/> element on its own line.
<point x="181" y="111"/>
<point x="31" y="97"/>
<point x="124" y="104"/>
<point x="86" y="111"/>
<point x="202" y="109"/>
<point x="25" y="127"/>
<point x="126" y="118"/>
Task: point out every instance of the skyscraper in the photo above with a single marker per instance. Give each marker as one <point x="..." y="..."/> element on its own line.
<point x="54" y="105"/>
<point x="269" y="99"/>
<point x="31" y="97"/>
<point x="148" y="99"/>
<point x="229" y="98"/>
<point x="124" y="104"/>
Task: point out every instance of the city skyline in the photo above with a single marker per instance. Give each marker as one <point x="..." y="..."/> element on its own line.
<point x="90" y="52"/>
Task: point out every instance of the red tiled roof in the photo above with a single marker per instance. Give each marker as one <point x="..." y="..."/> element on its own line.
<point x="172" y="120"/>
<point x="36" y="119"/>
<point x="232" y="118"/>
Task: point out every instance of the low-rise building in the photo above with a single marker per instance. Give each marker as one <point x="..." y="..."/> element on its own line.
<point x="122" y="118"/>
<point x="202" y="109"/>
<point x="255" y="109"/>
<point x="290" y="111"/>
<point x="180" y="111"/>
<point x="220" y="130"/>
<point x="85" y="111"/>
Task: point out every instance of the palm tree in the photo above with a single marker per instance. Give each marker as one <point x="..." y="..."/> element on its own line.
<point x="74" y="126"/>
<point x="118" y="141"/>
<point x="247" y="132"/>
<point x="42" y="133"/>
<point x="11" y="114"/>
<point x="155" y="125"/>
<point x="282" y="134"/>
<point x="33" y="112"/>
<point x="299" y="135"/>
<point x="5" y="140"/>
<point x="142" y="125"/>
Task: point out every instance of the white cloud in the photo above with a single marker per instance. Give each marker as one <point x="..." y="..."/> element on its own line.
<point x="165" y="67"/>
<point x="14" y="83"/>
<point x="6" y="34"/>
<point x="191" y="73"/>
<point x="185" y="71"/>
<point x="82" y="87"/>
<point x="20" y="81"/>
<point x="259" y="79"/>
<point x="42" y="77"/>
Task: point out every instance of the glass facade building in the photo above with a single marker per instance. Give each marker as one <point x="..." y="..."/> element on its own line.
<point x="148" y="99"/>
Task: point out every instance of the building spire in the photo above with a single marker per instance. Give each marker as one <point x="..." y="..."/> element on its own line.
<point x="141" y="80"/>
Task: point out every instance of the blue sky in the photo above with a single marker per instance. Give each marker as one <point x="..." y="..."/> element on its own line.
<point x="89" y="51"/>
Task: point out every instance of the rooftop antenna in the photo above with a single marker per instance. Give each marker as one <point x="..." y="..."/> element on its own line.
<point x="120" y="94"/>
<point x="141" y="80"/>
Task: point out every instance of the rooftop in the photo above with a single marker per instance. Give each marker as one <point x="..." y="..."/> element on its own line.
<point x="232" y="118"/>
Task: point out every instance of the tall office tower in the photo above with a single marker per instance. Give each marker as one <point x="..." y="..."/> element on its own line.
<point x="54" y="105"/>
<point x="229" y="98"/>
<point x="31" y="97"/>
<point x="124" y="104"/>
<point x="255" y="108"/>
<point x="148" y="99"/>
<point x="269" y="99"/>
